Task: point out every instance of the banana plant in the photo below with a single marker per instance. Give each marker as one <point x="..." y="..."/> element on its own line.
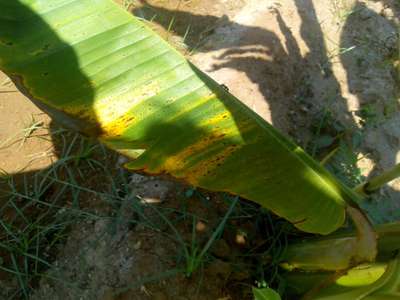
<point x="95" y="68"/>
<point x="317" y="276"/>
<point x="376" y="281"/>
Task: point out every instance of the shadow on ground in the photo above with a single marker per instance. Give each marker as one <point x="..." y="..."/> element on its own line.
<point x="287" y="79"/>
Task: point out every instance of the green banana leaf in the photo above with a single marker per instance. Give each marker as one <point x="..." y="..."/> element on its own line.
<point x="95" y="68"/>
<point x="386" y="287"/>
<point x="265" y="294"/>
<point x="317" y="273"/>
<point x="316" y="283"/>
<point x="336" y="251"/>
<point x="377" y="281"/>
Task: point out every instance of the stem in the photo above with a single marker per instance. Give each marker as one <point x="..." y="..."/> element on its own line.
<point x="377" y="182"/>
<point x="336" y="252"/>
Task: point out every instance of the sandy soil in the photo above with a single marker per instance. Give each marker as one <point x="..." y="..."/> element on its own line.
<point x="19" y="149"/>
<point x="290" y="60"/>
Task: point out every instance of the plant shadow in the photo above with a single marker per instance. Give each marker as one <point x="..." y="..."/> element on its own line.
<point x="301" y="90"/>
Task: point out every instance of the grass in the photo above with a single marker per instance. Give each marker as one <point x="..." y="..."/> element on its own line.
<point x="35" y="211"/>
<point x="30" y="129"/>
<point x="342" y="9"/>
<point x="184" y="35"/>
<point x="127" y="4"/>
<point x="340" y="150"/>
<point x="31" y="242"/>
<point x="41" y="208"/>
<point x="195" y="255"/>
<point x="336" y="146"/>
<point x="33" y="129"/>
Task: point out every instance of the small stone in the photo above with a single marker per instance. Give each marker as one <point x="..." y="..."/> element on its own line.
<point x="137" y="245"/>
<point x="304" y="108"/>
<point x="240" y="239"/>
<point x="201" y="226"/>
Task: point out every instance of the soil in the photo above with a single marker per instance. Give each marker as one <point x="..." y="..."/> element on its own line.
<point x="17" y="115"/>
<point x="121" y="260"/>
<point x="288" y="61"/>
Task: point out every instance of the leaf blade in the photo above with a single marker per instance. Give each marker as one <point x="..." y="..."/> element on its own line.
<point x="123" y="84"/>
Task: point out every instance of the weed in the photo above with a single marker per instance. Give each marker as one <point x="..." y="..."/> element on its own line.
<point x="369" y="115"/>
<point x="31" y="128"/>
<point x="39" y="210"/>
<point x="342" y="9"/>
<point x="26" y="133"/>
<point x="42" y="208"/>
<point x="128" y="4"/>
<point x="35" y="211"/>
<point x="326" y="132"/>
<point x="195" y="255"/>
<point x="337" y="147"/>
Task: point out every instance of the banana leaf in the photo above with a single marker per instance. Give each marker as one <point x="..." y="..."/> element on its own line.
<point x="335" y="251"/>
<point x="95" y="68"/>
<point x="265" y="294"/>
<point x="378" y="281"/>
<point x="386" y="287"/>
<point x="317" y="276"/>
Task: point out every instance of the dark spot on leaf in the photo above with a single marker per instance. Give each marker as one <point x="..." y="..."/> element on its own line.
<point x="7" y="43"/>
<point x="225" y="87"/>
